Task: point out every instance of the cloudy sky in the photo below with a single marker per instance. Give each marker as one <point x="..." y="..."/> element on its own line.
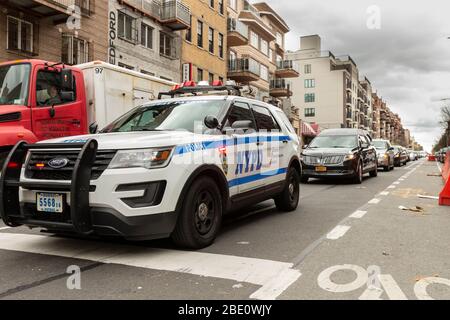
<point x="407" y="59"/>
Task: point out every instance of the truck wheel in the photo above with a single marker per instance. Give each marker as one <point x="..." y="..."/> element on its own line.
<point x="200" y="217"/>
<point x="386" y="168"/>
<point x="288" y="199"/>
<point x="304" y="179"/>
<point x="3" y="155"/>
<point x="358" y="178"/>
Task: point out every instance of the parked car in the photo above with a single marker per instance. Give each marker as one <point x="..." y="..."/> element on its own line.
<point x="385" y="154"/>
<point x="340" y="153"/>
<point x="412" y="155"/>
<point x="400" y="156"/>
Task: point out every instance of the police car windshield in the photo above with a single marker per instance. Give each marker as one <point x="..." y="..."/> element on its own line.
<point x="167" y="116"/>
<point x="334" y="142"/>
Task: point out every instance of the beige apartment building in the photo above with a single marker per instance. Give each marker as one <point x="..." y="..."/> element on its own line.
<point x="69" y="31"/>
<point x="329" y="91"/>
<point x="256" y="54"/>
<point x="204" y="44"/>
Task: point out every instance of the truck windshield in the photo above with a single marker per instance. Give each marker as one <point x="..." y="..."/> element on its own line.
<point x="14" y="84"/>
<point x="334" y="142"/>
<point x="167" y="116"/>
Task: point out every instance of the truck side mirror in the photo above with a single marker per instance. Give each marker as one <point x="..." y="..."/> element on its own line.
<point x="93" y="128"/>
<point x="66" y="79"/>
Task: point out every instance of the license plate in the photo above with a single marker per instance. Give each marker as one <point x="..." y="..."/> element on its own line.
<point x="49" y="202"/>
<point x="321" y="169"/>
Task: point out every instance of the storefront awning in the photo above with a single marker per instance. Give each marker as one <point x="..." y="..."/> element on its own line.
<point x="308" y="130"/>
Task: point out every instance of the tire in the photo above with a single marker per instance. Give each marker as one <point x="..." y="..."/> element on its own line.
<point x="200" y="217"/>
<point x="374" y="173"/>
<point x="288" y="199"/>
<point x="388" y="168"/>
<point x="358" y="178"/>
<point x="304" y="179"/>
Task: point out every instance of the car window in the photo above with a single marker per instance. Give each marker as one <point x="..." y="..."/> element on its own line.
<point x="286" y="121"/>
<point x="264" y="119"/>
<point x="48" y="89"/>
<point x="239" y="112"/>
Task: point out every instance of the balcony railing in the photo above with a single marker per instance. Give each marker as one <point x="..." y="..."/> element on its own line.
<point x="150" y="7"/>
<point x="175" y="10"/>
<point x="287" y="69"/>
<point x="234" y="25"/>
<point x="244" y="65"/>
<point x="282" y="84"/>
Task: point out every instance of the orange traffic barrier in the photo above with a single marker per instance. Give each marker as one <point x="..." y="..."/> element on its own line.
<point x="444" y="196"/>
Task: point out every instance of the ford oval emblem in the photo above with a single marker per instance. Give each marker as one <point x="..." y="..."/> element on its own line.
<point x="58" y="163"/>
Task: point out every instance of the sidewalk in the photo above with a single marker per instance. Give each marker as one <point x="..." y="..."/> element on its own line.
<point x="402" y="254"/>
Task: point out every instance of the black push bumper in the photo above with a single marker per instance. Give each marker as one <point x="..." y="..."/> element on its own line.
<point x="79" y="217"/>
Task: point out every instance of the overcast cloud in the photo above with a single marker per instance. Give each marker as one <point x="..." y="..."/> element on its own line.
<point x="407" y="59"/>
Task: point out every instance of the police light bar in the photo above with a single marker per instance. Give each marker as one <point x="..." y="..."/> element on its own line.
<point x="190" y="87"/>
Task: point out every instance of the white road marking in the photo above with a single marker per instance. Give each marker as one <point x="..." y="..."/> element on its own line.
<point x="324" y="279"/>
<point x="273" y="276"/>
<point x="396" y="182"/>
<point x="337" y="232"/>
<point x="420" y="288"/>
<point x="384" y="193"/>
<point x="358" y="214"/>
<point x="374" y="201"/>
<point x="391" y="187"/>
<point x="391" y="287"/>
<point x="439" y="167"/>
<point x="5" y="228"/>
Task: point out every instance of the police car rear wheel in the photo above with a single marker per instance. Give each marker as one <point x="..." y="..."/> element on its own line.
<point x="201" y="215"/>
<point x="288" y="199"/>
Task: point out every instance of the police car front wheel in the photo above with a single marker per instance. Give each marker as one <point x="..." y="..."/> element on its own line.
<point x="288" y="199"/>
<point x="201" y="215"/>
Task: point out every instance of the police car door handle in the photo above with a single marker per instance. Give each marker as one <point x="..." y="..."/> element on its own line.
<point x="284" y="141"/>
<point x="260" y="143"/>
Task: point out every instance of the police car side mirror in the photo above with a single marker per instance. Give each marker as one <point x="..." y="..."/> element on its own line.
<point x="93" y="128"/>
<point x="242" y="125"/>
<point x="211" y="122"/>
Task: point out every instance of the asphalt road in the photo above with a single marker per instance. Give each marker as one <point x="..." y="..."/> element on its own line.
<point x="260" y="253"/>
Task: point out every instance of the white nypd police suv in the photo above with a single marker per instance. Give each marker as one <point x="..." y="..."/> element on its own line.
<point x="169" y="168"/>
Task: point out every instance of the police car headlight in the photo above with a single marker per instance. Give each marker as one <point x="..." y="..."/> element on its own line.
<point x="142" y="158"/>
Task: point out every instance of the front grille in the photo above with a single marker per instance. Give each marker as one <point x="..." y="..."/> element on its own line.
<point x="318" y="160"/>
<point x="101" y="162"/>
<point x="332" y="159"/>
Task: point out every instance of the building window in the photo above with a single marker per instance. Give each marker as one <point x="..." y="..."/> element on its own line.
<point x="189" y="31"/>
<point x="199" y="74"/>
<point x="254" y="40"/>
<point x="165" y="78"/>
<point x="211" y="3"/>
<point x="307" y="68"/>
<point x="220" y="45"/>
<point x="310" y="83"/>
<point x="74" y="50"/>
<point x="221" y="8"/>
<point x="264" y="73"/>
<point x="146" y="36"/>
<point x="310" y="112"/>
<point x="232" y="4"/>
<point x="126" y="66"/>
<point x="20" y="35"/>
<point x="211" y="78"/>
<point x="127" y="27"/>
<point x="148" y="73"/>
<point x="280" y="39"/>
<point x="200" y="34"/>
<point x="211" y="40"/>
<point x="265" y="47"/>
<point x="310" y="97"/>
<point x="167" y="45"/>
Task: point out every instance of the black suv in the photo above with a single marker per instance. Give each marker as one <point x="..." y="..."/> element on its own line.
<point x="341" y="153"/>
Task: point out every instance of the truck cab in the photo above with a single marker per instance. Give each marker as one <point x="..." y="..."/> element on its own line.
<point x="40" y="100"/>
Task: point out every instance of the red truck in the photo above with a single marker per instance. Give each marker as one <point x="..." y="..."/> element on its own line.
<point x="41" y="100"/>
